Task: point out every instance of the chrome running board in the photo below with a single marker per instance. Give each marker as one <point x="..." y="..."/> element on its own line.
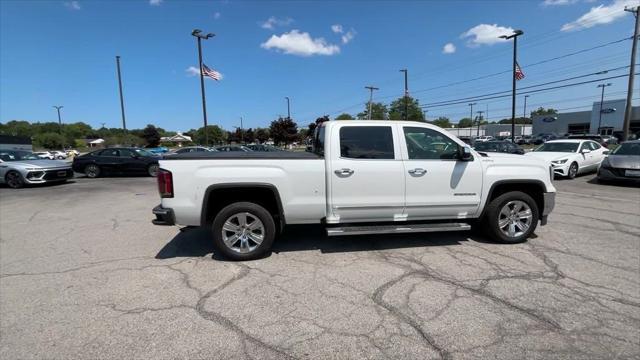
<point x="396" y="229"/>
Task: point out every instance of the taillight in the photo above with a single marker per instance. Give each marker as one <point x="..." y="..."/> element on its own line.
<point x="165" y="183"/>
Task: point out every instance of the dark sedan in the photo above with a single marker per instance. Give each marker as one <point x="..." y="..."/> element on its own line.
<point x="131" y="161"/>
<point x="499" y="146"/>
<point x="623" y="163"/>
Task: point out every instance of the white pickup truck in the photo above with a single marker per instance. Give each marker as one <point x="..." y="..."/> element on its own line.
<point x="362" y="177"/>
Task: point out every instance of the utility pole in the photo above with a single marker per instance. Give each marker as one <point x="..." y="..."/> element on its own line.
<point x="198" y="34"/>
<point x="479" y="121"/>
<point x="288" y="108"/>
<point x="59" y="120"/>
<point x="513" y="36"/>
<point x="632" y="69"/>
<point x="471" y="118"/>
<point x="524" y="112"/>
<point x="371" y="88"/>
<point x="601" y="101"/>
<point x="406" y="94"/>
<point x="124" y="123"/>
<point x="424" y="112"/>
<point x="241" y="131"/>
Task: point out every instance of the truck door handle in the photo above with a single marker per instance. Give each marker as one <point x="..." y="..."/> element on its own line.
<point x="344" y="172"/>
<point x="417" y="171"/>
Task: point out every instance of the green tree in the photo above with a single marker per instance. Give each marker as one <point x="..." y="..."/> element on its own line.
<point x="18" y="128"/>
<point x="396" y="109"/>
<point x="465" y="123"/>
<point x="49" y="140"/>
<point x="215" y="133"/>
<point x="262" y="135"/>
<point x="123" y="139"/>
<point x="442" y="121"/>
<point x="519" y="120"/>
<point x="379" y="111"/>
<point x="543" y="111"/>
<point x="151" y="135"/>
<point x="283" y="131"/>
<point x="344" y="116"/>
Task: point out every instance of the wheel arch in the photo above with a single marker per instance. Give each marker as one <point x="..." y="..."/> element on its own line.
<point x="218" y="196"/>
<point x="533" y="188"/>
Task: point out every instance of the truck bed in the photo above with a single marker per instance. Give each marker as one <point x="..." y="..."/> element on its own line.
<point x="235" y="155"/>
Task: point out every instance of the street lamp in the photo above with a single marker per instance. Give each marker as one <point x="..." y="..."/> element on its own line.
<point x="601" y="101"/>
<point x="406" y="94"/>
<point x="471" y="118"/>
<point x="59" y="120"/>
<point x="513" y="36"/>
<point x="371" y="88"/>
<point x="198" y="34"/>
<point x="288" y="108"/>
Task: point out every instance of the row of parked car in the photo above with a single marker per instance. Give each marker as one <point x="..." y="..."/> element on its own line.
<point x="19" y="168"/>
<point x="604" y="140"/>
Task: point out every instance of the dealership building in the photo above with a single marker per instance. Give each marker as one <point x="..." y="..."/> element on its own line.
<point x="608" y="121"/>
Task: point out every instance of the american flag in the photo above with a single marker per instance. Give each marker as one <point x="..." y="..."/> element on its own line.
<point x="211" y="73"/>
<point x="519" y="74"/>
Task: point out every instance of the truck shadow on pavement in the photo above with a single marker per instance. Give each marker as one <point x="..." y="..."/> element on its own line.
<point x="196" y="242"/>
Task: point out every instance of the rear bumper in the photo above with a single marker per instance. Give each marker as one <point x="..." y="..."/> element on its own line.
<point x="164" y="216"/>
<point x="549" y="200"/>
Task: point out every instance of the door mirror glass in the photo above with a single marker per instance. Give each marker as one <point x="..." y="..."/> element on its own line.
<point x="465" y="153"/>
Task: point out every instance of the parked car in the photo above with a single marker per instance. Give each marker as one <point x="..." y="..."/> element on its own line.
<point x="434" y="182"/>
<point x="262" y="147"/>
<point x="597" y="138"/>
<point x="158" y="150"/>
<point x="237" y="148"/>
<point x="18" y="168"/>
<point x="503" y="146"/>
<point x="483" y="138"/>
<point x="543" y="138"/>
<point x="116" y="161"/>
<point x="190" y="149"/>
<point x="59" y="155"/>
<point x="623" y="163"/>
<point x="525" y="140"/>
<point x="572" y="156"/>
<point x="72" y="152"/>
<point x="610" y="139"/>
<point x="44" y="155"/>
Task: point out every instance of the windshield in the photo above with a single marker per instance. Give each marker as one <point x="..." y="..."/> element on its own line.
<point x="628" y="149"/>
<point x="142" y="152"/>
<point x="11" y="155"/>
<point x="568" y="147"/>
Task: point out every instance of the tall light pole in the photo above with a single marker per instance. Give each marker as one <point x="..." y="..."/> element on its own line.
<point x="479" y="121"/>
<point x="601" y="101"/>
<point x="471" y="118"/>
<point x="124" y="123"/>
<point x="513" y="36"/>
<point x="241" y="131"/>
<point x="524" y="112"/>
<point x="371" y="88"/>
<point x="198" y="34"/>
<point x="59" y="119"/>
<point x="288" y="108"/>
<point x="632" y="70"/>
<point x="406" y="94"/>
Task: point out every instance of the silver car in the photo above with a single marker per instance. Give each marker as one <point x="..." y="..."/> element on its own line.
<point x="19" y="168"/>
<point x="623" y="163"/>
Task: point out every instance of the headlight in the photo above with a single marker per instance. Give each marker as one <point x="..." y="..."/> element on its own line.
<point x="559" y="162"/>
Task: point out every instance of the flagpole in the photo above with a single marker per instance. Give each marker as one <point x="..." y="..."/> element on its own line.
<point x="513" y="36"/>
<point x="199" y="36"/>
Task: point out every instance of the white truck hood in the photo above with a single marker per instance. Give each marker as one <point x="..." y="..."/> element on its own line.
<point x="498" y="158"/>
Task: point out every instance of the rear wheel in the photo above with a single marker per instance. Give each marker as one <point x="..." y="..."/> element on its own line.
<point x="14" y="180"/>
<point x="92" y="171"/>
<point x="511" y="217"/>
<point x="243" y="231"/>
<point x="573" y="171"/>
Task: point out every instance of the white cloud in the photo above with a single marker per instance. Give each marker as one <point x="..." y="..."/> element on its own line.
<point x="73" y="5"/>
<point x="274" y="22"/>
<point x="301" y="44"/>
<point x="558" y="2"/>
<point x="485" y="34"/>
<point x="348" y="36"/>
<point x="155" y="2"/>
<point x="337" y="28"/>
<point x="193" y="71"/>
<point x="217" y="15"/>
<point x="600" y="15"/>
<point x="448" y="48"/>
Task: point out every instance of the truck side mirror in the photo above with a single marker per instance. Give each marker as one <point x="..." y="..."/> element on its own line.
<point x="464" y="153"/>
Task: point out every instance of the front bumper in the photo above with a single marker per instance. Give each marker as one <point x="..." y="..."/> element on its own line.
<point x="41" y="176"/>
<point x="614" y="174"/>
<point x="164" y="216"/>
<point x="561" y="169"/>
<point x="549" y="200"/>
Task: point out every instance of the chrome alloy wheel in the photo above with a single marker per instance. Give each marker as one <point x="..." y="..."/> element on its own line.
<point x="243" y="232"/>
<point x="515" y="218"/>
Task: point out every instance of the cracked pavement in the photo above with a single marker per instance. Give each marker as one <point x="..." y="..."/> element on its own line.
<point x="84" y="274"/>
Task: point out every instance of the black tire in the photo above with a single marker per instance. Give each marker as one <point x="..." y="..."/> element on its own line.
<point x="152" y="170"/>
<point x="492" y="217"/>
<point x="92" y="171"/>
<point x="254" y="210"/>
<point x="573" y="170"/>
<point x="14" y="180"/>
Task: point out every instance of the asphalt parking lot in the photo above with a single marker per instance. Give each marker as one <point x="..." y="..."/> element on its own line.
<point x="84" y="274"/>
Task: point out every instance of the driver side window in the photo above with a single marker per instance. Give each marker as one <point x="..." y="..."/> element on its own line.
<point x="585" y="146"/>
<point x="423" y="143"/>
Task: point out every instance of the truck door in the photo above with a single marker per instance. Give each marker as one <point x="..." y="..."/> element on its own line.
<point x="438" y="184"/>
<point x="366" y="174"/>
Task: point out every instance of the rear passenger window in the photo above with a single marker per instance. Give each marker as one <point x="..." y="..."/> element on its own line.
<point x="595" y="146"/>
<point x="366" y="142"/>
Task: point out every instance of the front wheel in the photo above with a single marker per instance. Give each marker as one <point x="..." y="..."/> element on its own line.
<point x="573" y="171"/>
<point x="243" y="231"/>
<point x="14" y="180"/>
<point x="511" y="217"/>
<point x="92" y="171"/>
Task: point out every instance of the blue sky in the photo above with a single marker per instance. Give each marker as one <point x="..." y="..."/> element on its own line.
<point x="63" y="53"/>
